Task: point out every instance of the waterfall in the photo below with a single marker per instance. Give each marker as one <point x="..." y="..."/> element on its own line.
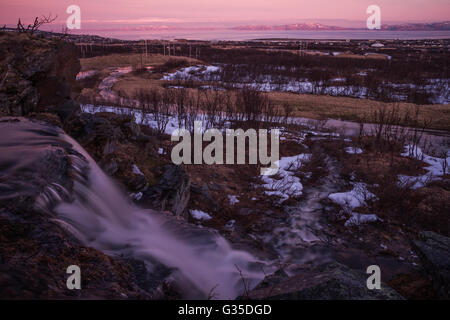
<point x="101" y="216"/>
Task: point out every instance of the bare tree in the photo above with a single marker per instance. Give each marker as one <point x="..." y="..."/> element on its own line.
<point x="38" y="22"/>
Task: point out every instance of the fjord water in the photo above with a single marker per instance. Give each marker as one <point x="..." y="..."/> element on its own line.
<point x="102" y="217"/>
<point x="239" y="35"/>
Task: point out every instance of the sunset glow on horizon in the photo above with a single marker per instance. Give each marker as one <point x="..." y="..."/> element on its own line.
<point x="202" y="12"/>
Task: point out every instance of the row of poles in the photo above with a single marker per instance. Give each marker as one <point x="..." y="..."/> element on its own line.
<point x="168" y="49"/>
<point x="171" y="50"/>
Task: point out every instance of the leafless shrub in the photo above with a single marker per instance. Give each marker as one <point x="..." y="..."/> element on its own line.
<point x="245" y="284"/>
<point x="391" y="132"/>
<point x="155" y="105"/>
<point x="38" y="22"/>
<point x="212" y="293"/>
<point x="172" y="64"/>
<point x="444" y="162"/>
<point x="287" y="112"/>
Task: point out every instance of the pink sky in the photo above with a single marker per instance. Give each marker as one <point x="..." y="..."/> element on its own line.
<point x="103" y="12"/>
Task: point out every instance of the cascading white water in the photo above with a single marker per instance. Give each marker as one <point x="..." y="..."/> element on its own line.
<point x="101" y="216"/>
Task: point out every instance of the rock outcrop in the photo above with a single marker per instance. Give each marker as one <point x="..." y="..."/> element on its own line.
<point x="434" y="251"/>
<point x="172" y="191"/>
<point x="36" y="75"/>
<point x="332" y="281"/>
<point x="120" y="148"/>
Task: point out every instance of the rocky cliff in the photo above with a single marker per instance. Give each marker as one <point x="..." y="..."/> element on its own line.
<point x="36" y="75"/>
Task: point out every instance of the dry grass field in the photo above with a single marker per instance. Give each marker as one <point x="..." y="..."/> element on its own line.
<point x="124" y="60"/>
<point x="304" y="105"/>
<point x="354" y="109"/>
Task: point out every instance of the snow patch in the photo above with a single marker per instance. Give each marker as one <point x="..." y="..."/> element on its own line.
<point x="200" y="215"/>
<point x="353" y="150"/>
<point x="354" y="198"/>
<point x="435" y="168"/>
<point x="285" y="184"/>
<point x="233" y="199"/>
<point x="359" y="218"/>
<point x="137" y="171"/>
<point x="86" y="74"/>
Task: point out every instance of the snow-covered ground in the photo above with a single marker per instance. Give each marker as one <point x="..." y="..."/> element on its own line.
<point x="285" y="183"/>
<point x="86" y="74"/>
<point x="359" y="218"/>
<point x="354" y="198"/>
<point x="233" y="199"/>
<point x="141" y="118"/>
<point x="353" y="150"/>
<point x="197" y="73"/>
<point x="200" y="215"/>
<point x="435" y="168"/>
<point x="437" y="88"/>
<point x="350" y="200"/>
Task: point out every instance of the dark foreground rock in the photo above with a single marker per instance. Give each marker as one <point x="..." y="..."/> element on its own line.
<point x="120" y="148"/>
<point x="434" y="251"/>
<point x="172" y="191"/>
<point x="332" y="281"/>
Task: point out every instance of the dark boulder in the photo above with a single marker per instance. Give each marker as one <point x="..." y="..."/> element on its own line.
<point x="172" y="191"/>
<point x="117" y="144"/>
<point x="434" y="251"/>
<point x="331" y="281"/>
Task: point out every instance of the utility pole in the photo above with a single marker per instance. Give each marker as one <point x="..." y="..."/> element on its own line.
<point x="146" y="51"/>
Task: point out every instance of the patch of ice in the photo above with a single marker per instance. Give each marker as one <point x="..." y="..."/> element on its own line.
<point x="200" y="215"/>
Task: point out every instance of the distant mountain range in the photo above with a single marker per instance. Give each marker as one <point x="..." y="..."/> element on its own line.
<point x="436" y="26"/>
<point x="296" y="26"/>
